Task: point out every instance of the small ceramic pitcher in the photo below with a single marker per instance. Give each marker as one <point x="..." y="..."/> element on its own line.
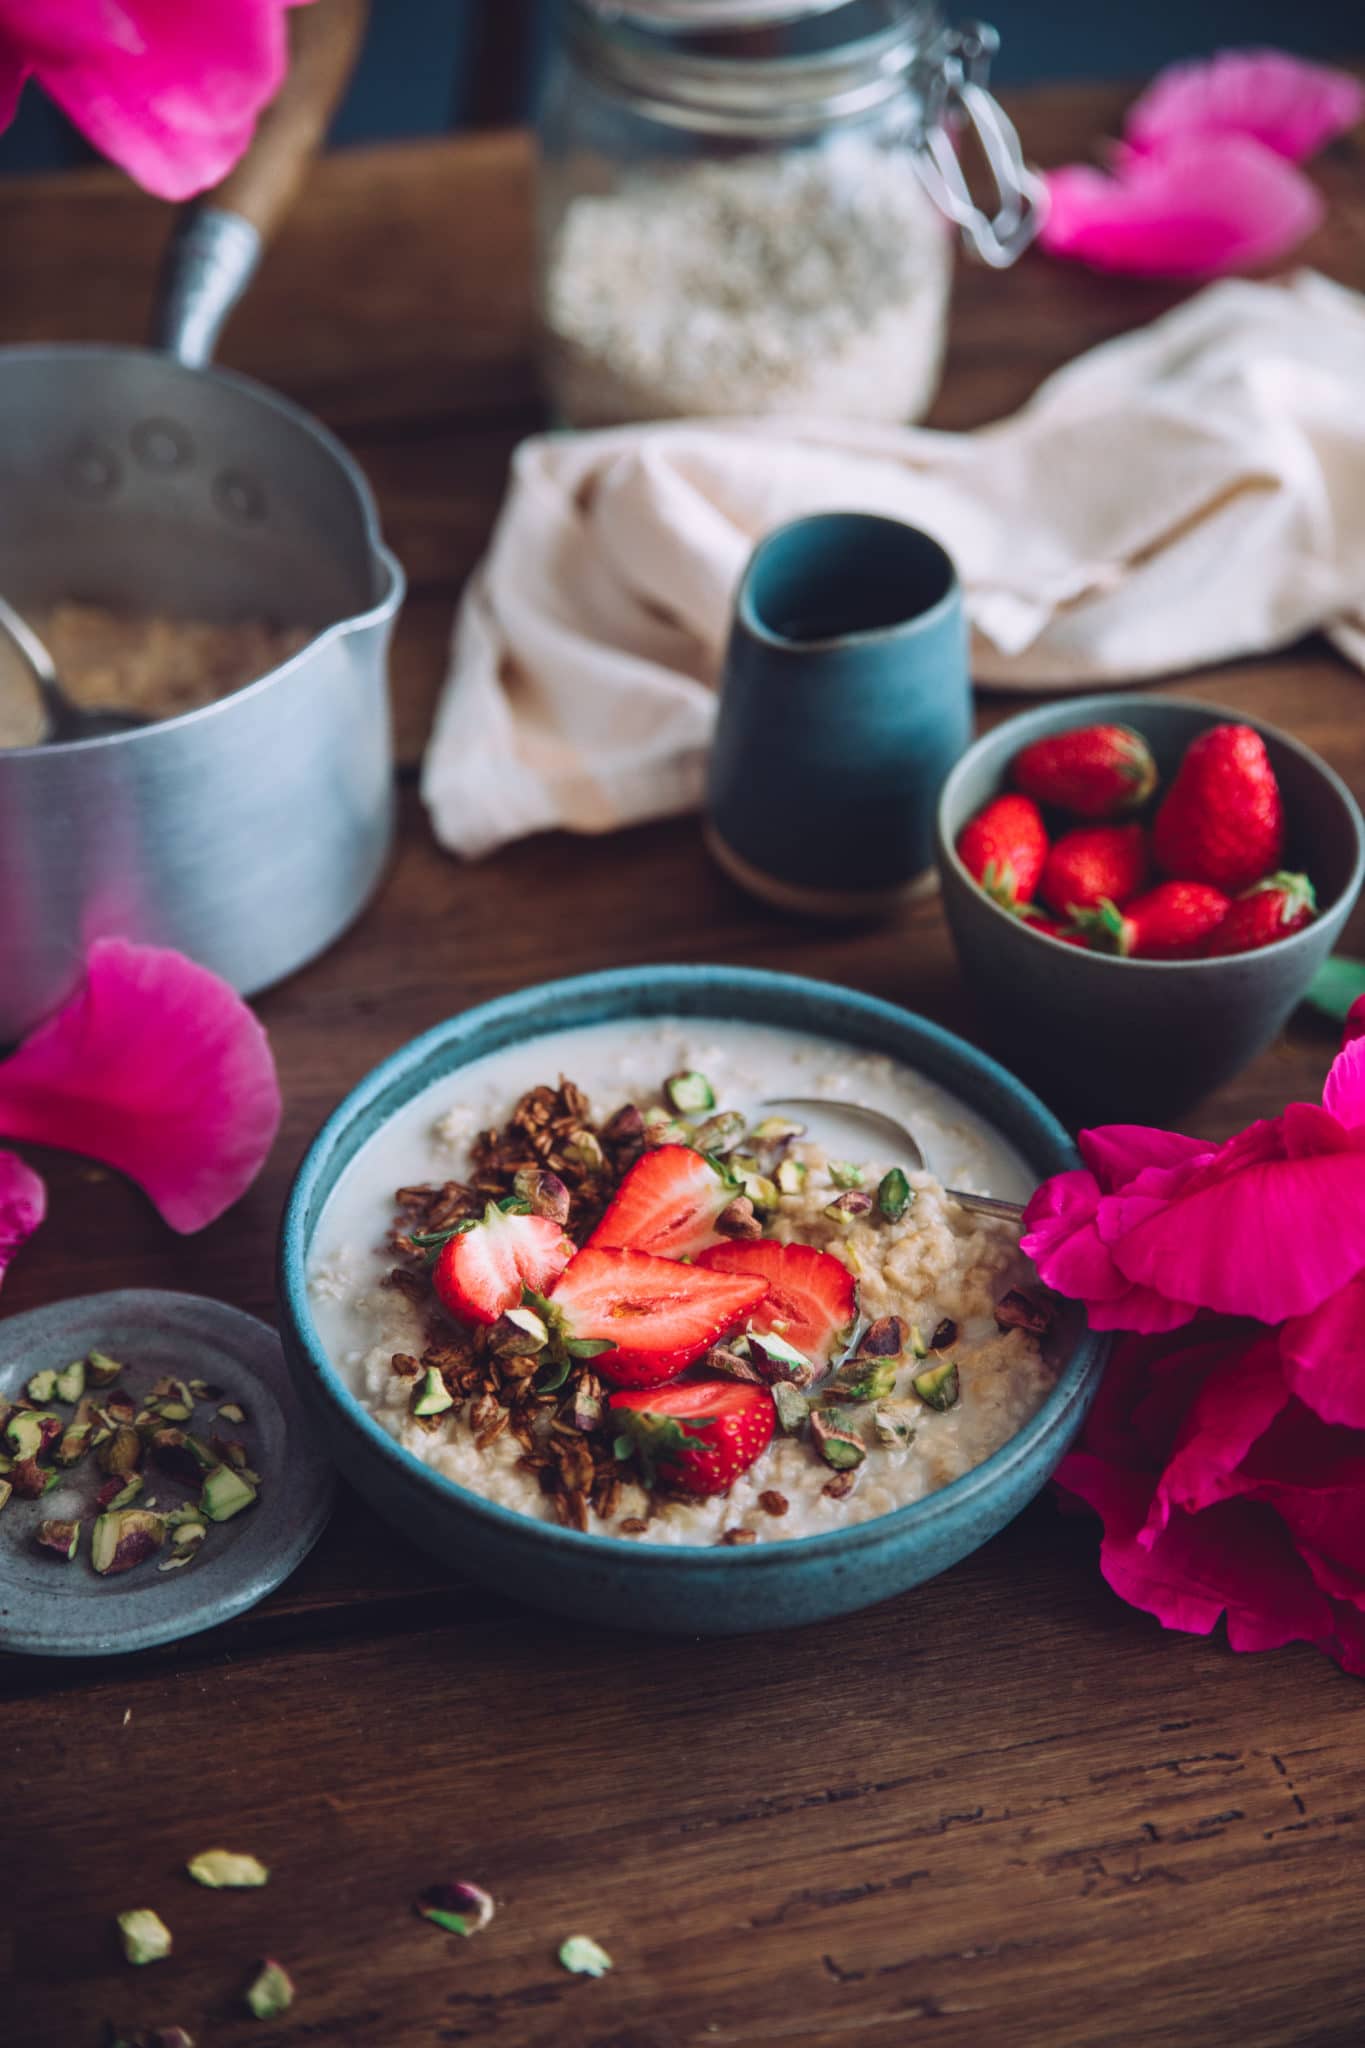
<point x="844" y="704"/>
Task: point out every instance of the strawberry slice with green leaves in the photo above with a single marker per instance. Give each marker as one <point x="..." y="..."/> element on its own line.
<point x="486" y="1264"/>
<point x="811" y="1300"/>
<point x="643" y="1319"/>
<point x="699" y="1435"/>
<point x="667" y="1204"/>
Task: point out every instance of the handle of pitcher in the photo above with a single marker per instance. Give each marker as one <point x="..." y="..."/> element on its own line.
<point x="956" y="95"/>
<point x="216" y="242"/>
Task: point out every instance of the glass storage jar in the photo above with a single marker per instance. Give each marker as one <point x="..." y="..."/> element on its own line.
<point x="744" y="205"/>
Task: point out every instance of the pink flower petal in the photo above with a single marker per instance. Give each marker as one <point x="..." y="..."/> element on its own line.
<point x="1271" y="1241"/>
<point x="1061" y="1239"/>
<point x="1199" y="207"/>
<point x="1324" y="1357"/>
<point x="1234" y="1407"/>
<point x="1354" y="1026"/>
<point x="1289" y="105"/>
<point x="167" y="89"/>
<point x="1117" y="1153"/>
<point x="158" y="1068"/>
<point x="1343" y="1092"/>
<point x="23" y="1204"/>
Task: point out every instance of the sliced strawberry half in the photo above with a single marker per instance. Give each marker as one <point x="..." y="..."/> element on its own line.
<point x="654" y="1316"/>
<point x="699" y="1435"/>
<point x="483" y="1269"/>
<point x="812" y="1298"/>
<point x="667" y="1204"/>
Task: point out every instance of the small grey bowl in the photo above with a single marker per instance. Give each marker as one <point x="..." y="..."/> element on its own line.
<point x="1138" y="1039"/>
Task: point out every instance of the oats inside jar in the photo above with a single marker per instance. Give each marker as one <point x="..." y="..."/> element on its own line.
<point x="909" y="1381"/>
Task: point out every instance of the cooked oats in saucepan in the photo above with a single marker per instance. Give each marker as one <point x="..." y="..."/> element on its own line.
<point x="639" y="1302"/>
<point x="124" y="661"/>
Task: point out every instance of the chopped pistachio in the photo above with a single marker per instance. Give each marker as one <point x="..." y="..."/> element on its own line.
<point x="945" y="1335"/>
<point x="184" y="1517"/>
<point x="75" y="1438"/>
<point x="175" y="1411"/>
<point x="761" y="1191"/>
<point x="585" y="1150"/>
<point x="657" y="1113"/>
<point x="840" y="1486"/>
<point x="227" y="1870"/>
<point x="61" y="1538"/>
<point x="170" y="1448"/>
<point x="690" y="1093"/>
<point x="6" y="1491"/>
<point x="737" y="1219"/>
<point x="894" y="1195"/>
<point x="146" y="1937"/>
<point x="918" y="1347"/>
<point x="844" y="1174"/>
<point x="584" y="1956"/>
<point x="864" y="1379"/>
<point x="732" y="1364"/>
<point x="720" y="1133"/>
<point x="624" y="1127"/>
<point x="120" y="1541"/>
<point x="776" y="1359"/>
<point x="431" y="1395"/>
<point x="587" y="1409"/>
<point x="6" y="1462"/>
<point x="777" y="1130"/>
<point x="1019" y="1311"/>
<point x="42" y="1387"/>
<point x="123" y="1452"/>
<point x="894" y="1422"/>
<point x="225" y="1494"/>
<point x="520" y="1333"/>
<point x="30" y="1480"/>
<point x="838" y="1446"/>
<point x="71" y="1381"/>
<point x="459" y="1908"/>
<point x="29" y="1431"/>
<point x="792" y="1407"/>
<point x="849" y="1206"/>
<point x="790" y="1176"/>
<point x="101" y="1370"/>
<point x="271" y="1991"/>
<point x="667" y="1132"/>
<point x="937" y="1385"/>
<point x="187" y="1539"/>
<point x="543" y="1193"/>
<point x="884" y="1338"/>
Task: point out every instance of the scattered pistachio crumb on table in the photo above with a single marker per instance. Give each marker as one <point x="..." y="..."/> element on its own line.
<point x="584" y="1956"/>
<point x="146" y="1937"/>
<point x="227" y="1870"/>
<point x="459" y="1908"/>
<point x="271" y="1990"/>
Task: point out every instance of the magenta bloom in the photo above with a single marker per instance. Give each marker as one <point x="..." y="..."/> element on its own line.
<point x="23" y="1204"/>
<point x="1285" y="103"/>
<point x="158" y="1068"/>
<point x="169" y="89"/>
<point x="1270" y="1225"/>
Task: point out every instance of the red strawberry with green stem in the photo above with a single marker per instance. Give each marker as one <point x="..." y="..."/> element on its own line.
<point x="1222" y="820"/>
<point x="1091" y="863"/>
<point x="1173" y="921"/>
<point x="484" y="1264"/>
<point x="1269" y="910"/>
<point x="1095" y="771"/>
<point x="811" y="1299"/>
<point x="651" y="1317"/>
<point x="1003" y="847"/>
<point x="699" y="1435"/>
<point x="667" y="1204"/>
<point x="1038" y="921"/>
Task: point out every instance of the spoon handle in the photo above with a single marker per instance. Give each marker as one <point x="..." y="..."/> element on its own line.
<point x="987" y="1205"/>
<point x="55" y="707"/>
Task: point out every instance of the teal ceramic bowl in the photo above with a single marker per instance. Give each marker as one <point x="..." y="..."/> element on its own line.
<point x="1136" y="1041"/>
<point x="678" y="1589"/>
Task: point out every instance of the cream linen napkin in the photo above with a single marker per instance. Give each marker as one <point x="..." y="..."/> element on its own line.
<point x="1187" y="493"/>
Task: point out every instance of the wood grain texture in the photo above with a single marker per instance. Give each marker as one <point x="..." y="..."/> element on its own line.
<point x="1001" y="1812"/>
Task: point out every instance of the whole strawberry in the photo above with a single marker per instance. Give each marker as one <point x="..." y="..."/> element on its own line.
<point x="1097" y="771"/>
<point x="1092" y="863"/>
<point x="1004" y="847"/>
<point x="1052" y="928"/>
<point x="1269" y="910"/>
<point x="1222" y="820"/>
<point x="1173" y="921"/>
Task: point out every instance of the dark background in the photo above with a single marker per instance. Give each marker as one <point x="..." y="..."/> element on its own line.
<point x="433" y="65"/>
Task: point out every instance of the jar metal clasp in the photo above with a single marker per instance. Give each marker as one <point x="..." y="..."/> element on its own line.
<point x="955" y="94"/>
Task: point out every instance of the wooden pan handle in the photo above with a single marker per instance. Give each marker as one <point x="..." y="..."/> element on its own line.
<point x="324" y="41"/>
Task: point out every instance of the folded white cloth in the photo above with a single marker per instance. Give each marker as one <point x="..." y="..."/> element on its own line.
<point x="1187" y="493"/>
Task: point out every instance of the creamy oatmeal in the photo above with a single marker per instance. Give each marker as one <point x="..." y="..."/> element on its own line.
<point x="959" y="1386"/>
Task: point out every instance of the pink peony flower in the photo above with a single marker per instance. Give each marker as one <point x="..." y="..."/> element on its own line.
<point x="1200" y="206"/>
<point x="169" y="89"/>
<point x="23" y="1204"/>
<point x="1222" y="1495"/>
<point x="1285" y="103"/>
<point x="1270" y="1225"/>
<point x="158" y="1068"/>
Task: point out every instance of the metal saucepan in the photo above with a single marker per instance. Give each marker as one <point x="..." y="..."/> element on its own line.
<point x="249" y="833"/>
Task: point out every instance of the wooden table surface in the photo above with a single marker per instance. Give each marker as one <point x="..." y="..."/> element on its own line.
<point x="1001" y="1810"/>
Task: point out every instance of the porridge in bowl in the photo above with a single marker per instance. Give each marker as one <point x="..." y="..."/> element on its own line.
<point x="593" y="1278"/>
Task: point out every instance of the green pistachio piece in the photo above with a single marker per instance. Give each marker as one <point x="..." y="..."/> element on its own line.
<point x="848" y="1207"/>
<point x="42" y="1387"/>
<point x="187" y="1539"/>
<point x="71" y="1381"/>
<point x="431" y="1395"/>
<point x="918" y="1347"/>
<point x="174" y="1411"/>
<point x="270" y="1992"/>
<point x="761" y="1191"/>
<point x="791" y="1176"/>
<point x="776" y="1130"/>
<point x="232" y="1411"/>
<point x="937" y="1386"/>
<point x="865" y="1379"/>
<point x="720" y="1133"/>
<point x="894" y="1195"/>
<point x="76" y="1437"/>
<point x="6" y="1463"/>
<point x="668" y="1132"/>
<point x="30" y="1480"/>
<point x="30" y="1430"/>
<point x="776" y="1359"/>
<point x="126" y="1494"/>
<point x="227" y="1870"/>
<point x="844" y="1173"/>
<point x="585" y="1149"/>
<point x="792" y="1407"/>
<point x="61" y="1538"/>
<point x="146" y="1937"/>
<point x="459" y="1908"/>
<point x="101" y="1370"/>
<point x="6" y="1492"/>
<point x="690" y="1093"/>
<point x="584" y="1956"/>
<point x="120" y="1541"/>
<point x="122" y="1454"/>
<point x="185" y="1517"/>
<point x="894" y="1422"/>
<point x="838" y="1446"/>
<point x="225" y="1494"/>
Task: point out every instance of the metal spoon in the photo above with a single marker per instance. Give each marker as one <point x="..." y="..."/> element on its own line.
<point x="909" y="1149"/>
<point x="65" y="720"/>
